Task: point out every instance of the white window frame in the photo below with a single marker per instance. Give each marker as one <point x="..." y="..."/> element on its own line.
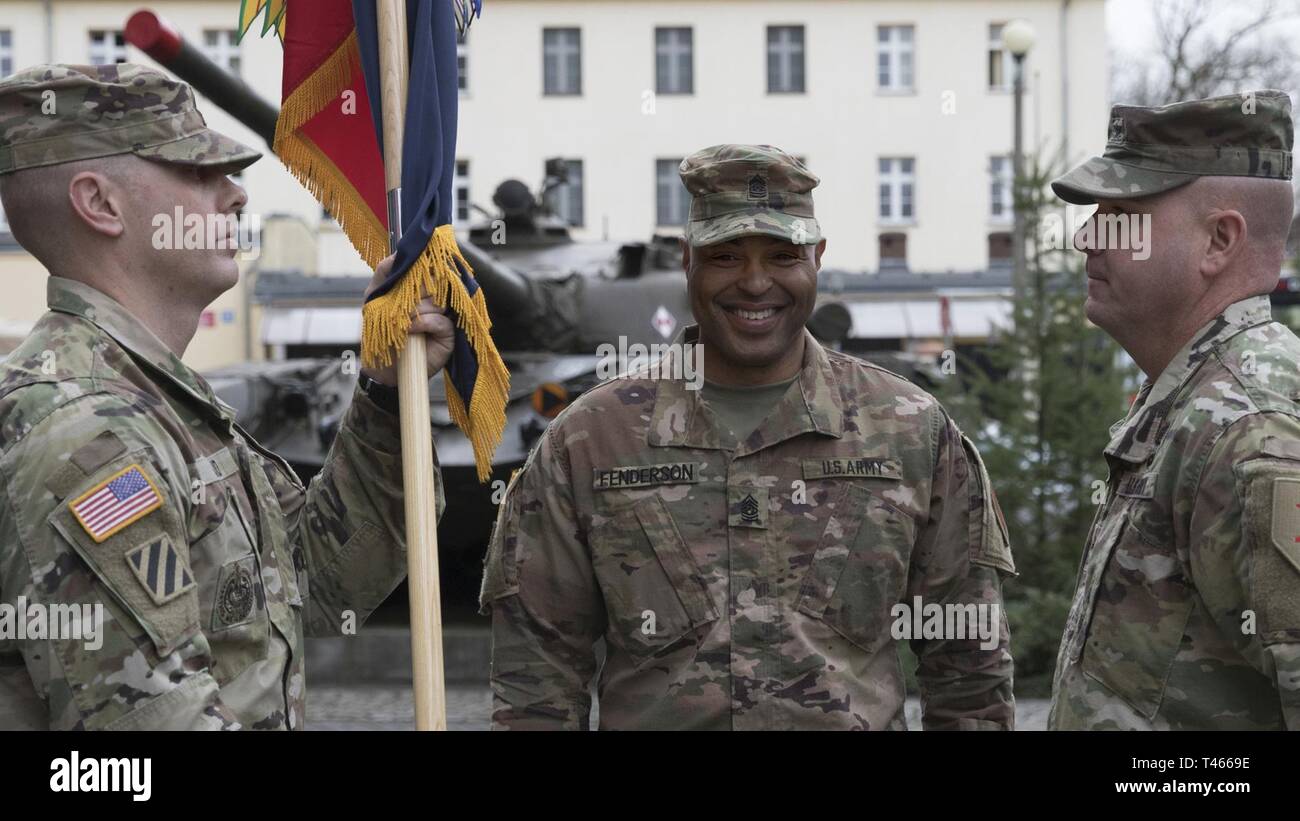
<point x="461" y="211"/>
<point x="6" y="52"/>
<point x="672" y="200"/>
<point x="782" y="57"/>
<point x="1001" y="201"/>
<point x="560" y="50"/>
<point x="225" y="51"/>
<point x="896" y="58"/>
<point x="104" y="48"/>
<point x="1006" y="61"/>
<point x="462" y="66"/>
<point x="897" y="187"/>
<point x="562" y="200"/>
<point x="675" y="60"/>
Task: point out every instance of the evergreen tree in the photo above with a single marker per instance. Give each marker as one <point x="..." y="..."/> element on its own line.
<point x="1039" y="406"/>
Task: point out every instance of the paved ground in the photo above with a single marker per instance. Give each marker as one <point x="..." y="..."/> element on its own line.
<point x="388" y="707"/>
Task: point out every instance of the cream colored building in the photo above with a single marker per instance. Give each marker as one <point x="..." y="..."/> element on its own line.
<point x="903" y="109"/>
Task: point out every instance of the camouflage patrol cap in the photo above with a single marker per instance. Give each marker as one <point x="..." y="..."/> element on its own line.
<point x="51" y="114"/>
<point x="1152" y="150"/>
<point x="738" y="190"/>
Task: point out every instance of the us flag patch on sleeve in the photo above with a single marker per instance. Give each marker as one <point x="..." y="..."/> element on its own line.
<point x="115" y="503"/>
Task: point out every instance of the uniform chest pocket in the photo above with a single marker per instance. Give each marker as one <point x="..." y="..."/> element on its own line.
<point x="232" y="599"/>
<point x="655" y="594"/>
<point x="859" y="571"/>
<point x="1135" y="609"/>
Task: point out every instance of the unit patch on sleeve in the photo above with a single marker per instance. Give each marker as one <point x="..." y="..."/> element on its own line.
<point x="161" y="569"/>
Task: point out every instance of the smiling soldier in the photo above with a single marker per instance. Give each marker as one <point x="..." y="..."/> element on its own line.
<point x="740" y="548"/>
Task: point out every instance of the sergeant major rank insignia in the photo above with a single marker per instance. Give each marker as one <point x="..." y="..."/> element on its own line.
<point x="1116" y="134"/>
<point x="758" y="187"/>
<point x="120" y="500"/>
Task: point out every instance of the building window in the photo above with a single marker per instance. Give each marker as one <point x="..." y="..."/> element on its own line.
<point x="674" y="61"/>
<point x="562" y="61"/>
<point x="897" y="187"/>
<point x="672" y="200"/>
<point x="462" y="65"/>
<point x="999" y="248"/>
<point x="894" y="58"/>
<point x="1001" y="63"/>
<point x="785" y="60"/>
<point x="6" y="52"/>
<point x="893" y="250"/>
<point x="461" y="185"/>
<point x="1000" y="204"/>
<point x="107" y="48"/>
<point x="222" y="47"/>
<point x="565" y="199"/>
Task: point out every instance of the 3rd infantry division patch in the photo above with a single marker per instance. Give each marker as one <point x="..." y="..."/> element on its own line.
<point x="161" y="569"/>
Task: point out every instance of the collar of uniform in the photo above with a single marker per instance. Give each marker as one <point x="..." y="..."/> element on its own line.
<point x="79" y="299"/>
<point x="1135" y="439"/>
<point x="681" y="419"/>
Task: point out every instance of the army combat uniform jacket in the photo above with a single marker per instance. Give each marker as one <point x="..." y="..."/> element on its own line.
<point x="745" y="585"/>
<point x="125" y="482"/>
<point x="1187" y="611"/>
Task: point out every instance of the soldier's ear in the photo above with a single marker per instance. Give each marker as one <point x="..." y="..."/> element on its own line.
<point x="1227" y="235"/>
<point x="817" y="254"/>
<point x="686" y="253"/>
<point x="94" y="199"/>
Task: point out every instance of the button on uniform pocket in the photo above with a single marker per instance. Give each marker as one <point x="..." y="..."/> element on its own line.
<point x="654" y="592"/>
<point x="859" y="571"/>
<point x="1129" y="624"/>
<point x="233" y="601"/>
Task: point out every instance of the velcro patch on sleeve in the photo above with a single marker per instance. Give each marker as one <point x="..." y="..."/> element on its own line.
<point x="116" y="503"/>
<point x="1286" y="519"/>
<point x="161" y="569"/>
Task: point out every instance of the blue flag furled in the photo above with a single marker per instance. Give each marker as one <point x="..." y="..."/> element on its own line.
<point x="428" y="259"/>
<point x="339" y="158"/>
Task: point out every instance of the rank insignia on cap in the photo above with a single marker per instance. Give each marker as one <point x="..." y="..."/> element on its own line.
<point x="1116" y="134"/>
<point x="161" y="569"/>
<point x="120" y="500"/>
<point x="758" y="187"/>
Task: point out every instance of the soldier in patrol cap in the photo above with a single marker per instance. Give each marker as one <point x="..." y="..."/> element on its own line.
<point x="742" y="548"/>
<point x="1187" y="610"/>
<point x="131" y="501"/>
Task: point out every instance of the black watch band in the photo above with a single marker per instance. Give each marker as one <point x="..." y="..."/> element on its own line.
<point x="385" y="396"/>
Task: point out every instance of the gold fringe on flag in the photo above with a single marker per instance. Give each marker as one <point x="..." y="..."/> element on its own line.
<point x="387" y="319"/>
<point x="311" y="167"/>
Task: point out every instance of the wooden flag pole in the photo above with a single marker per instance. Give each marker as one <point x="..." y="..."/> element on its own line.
<point x="413" y="388"/>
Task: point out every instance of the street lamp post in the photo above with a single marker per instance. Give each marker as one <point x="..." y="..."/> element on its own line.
<point x="1018" y="37"/>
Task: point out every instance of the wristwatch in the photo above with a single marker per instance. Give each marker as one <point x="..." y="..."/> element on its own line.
<point x="385" y="396"/>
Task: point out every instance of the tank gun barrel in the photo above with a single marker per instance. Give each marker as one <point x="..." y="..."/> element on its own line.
<point x="154" y="36"/>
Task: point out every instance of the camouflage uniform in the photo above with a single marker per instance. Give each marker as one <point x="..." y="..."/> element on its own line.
<point x="208" y="589"/>
<point x="1187" y="610"/>
<point x="750" y="584"/>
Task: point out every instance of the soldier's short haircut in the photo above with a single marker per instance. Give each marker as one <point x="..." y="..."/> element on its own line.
<point x="35" y="203"/>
